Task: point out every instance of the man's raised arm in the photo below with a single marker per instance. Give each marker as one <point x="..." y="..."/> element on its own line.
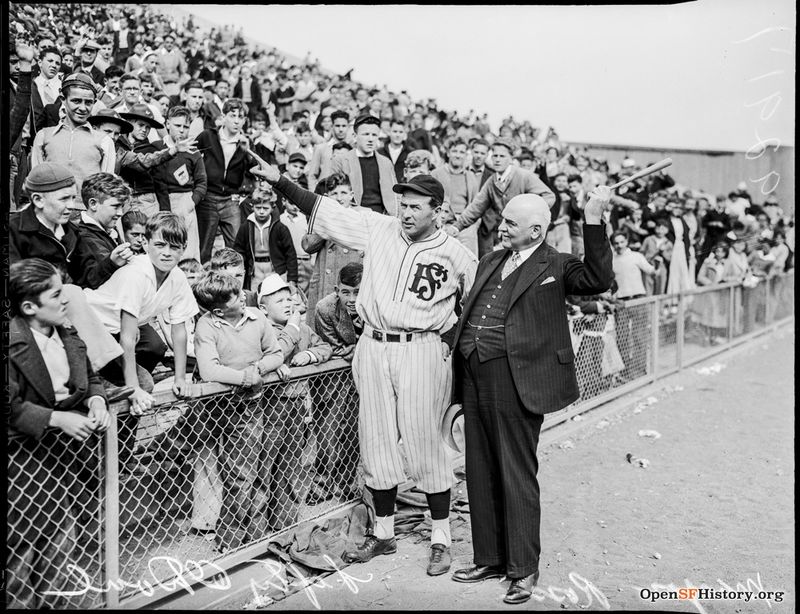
<point x="326" y="217"/>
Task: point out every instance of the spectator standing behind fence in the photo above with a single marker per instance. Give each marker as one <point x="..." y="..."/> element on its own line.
<point x="105" y="197"/>
<point x="297" y="223"/>
<point x="630" y="270"/>
<point x="133" y="230"/>
<point x="285" y="405"/>
<point x="371" y="174"/>
<point x="322" y="158"/>
<point x="488" y="204"/>
<point x="679" y="277"/>
<point x="265" y="243"/>
<point x="712" y="307"/>
<point x="53" y="394"/>
<point x="460" y="188"/>
<point x="335" y="418"/>
<point x="149" y="285"/>
<point x="657" y="250"/>
<point x="73" y="142"/>
<point x="226" y="161"/>
<point x="330" y="256"/>
<point x="180" y="183"/>
<point x="396" y="147"/>
<point x="234" y="344"/>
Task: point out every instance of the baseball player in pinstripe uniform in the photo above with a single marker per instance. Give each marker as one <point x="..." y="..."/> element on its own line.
<point x="413" y="275"/>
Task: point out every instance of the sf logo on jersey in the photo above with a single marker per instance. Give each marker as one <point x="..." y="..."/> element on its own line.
<point x="427" y="279"/>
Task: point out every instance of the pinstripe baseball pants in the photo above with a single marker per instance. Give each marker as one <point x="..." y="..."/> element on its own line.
<point x="403" y="392"/>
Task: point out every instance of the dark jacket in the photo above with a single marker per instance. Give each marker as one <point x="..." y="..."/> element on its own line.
<point x="400" y="164"/>
<point x="31" y="396"/>
<point x="28" y="238"/>
<point x="140" y="180"/>
<point x="20" y="103"/>
<point x="97" y="240"/>
<point x="49" y="469"/>
<point x="538" y="343"/>
<point x="255" y="103"/>
<point x="183" y="173"/>
<point x="222" y="181"/>
<point x="282" y="254"/>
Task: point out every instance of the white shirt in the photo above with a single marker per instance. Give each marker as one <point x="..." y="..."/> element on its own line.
<point x="132" y="288"/>
<point x="55" y="359"/>
<point x="526" y="253"/>
<point x="49" y="89"/>
<point x="628" y="269"/>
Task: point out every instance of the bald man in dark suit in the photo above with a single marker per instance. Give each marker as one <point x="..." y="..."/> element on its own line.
<point x="513" y="363"/>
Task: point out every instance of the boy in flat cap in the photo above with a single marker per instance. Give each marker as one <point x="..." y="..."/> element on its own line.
<point x="73" y="142"/>
<point x="371" y="174"/>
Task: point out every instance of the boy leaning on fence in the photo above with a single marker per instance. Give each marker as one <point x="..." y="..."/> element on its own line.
<point x="335" y="414"/>
<point x="54" y="398"/>
<point x="236" y="345"/>
<point x="285" y="405"/>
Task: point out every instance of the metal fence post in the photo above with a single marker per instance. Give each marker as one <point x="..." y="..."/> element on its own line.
<point x="112" y="512"/>
<point x="768" y="286"/>
<point x="656" y="330"/>
<point x="679" y="328"/>
<point x="731" y="319"/>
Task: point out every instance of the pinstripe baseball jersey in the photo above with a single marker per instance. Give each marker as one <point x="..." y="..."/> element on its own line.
<point x="407" y="285"/>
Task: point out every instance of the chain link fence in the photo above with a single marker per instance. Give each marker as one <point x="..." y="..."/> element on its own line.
<point x="202" y="480"/>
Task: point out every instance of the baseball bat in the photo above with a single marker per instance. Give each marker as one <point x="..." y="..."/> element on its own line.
<point x="644" y="172"/>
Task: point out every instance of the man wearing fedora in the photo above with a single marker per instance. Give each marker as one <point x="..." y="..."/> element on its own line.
<point x="109" y="122"/>
<point x="513" y="363"/>
<point x="87" y="51"/>
<point x="142" y="120"/>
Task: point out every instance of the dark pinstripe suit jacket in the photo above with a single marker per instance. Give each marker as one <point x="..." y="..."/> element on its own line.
<point x="538" y="343"/>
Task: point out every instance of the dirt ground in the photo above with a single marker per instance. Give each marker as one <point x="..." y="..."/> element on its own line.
<point x="713" y="508"/>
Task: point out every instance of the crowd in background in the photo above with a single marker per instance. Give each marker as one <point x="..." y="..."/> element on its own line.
<point x="135" y="141"/>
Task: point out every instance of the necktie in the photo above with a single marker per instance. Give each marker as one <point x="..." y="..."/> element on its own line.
<point x="511" y="265"/>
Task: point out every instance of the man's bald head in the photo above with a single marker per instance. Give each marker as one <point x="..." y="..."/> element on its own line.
<point x="525" y="221"/>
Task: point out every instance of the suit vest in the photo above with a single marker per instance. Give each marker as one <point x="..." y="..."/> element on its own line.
<point x="485" y="327"/>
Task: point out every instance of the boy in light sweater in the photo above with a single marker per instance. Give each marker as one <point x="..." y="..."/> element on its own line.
<point x="235" y="344"/>
<point x="285" y="406"/>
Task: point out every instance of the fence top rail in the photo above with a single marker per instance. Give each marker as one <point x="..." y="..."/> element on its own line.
<point x="205" y="389"/>
<point x="700" y="290"/>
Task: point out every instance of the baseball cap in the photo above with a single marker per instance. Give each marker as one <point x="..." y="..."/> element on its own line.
<point x="422" y="184"/>
<point x="271" y="284"/>
<point x="366" y="119"/>
<point x="143" y="112"/>
<point x="49" y="177"/>
<point x="297" y="157"/>
<point x="105" y="116"/>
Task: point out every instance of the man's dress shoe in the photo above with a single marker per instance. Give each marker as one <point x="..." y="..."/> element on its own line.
<point x="521" y="588"/>
<point x="479" y="573"/>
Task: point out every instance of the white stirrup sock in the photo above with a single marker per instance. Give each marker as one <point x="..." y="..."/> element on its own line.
<point x="440" y="531"/>
<point x="384" y="527"/>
